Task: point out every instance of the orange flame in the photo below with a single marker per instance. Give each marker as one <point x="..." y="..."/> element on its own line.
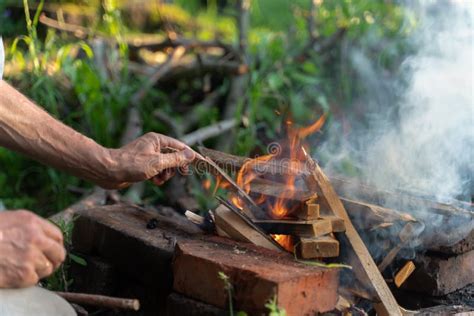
<point x="285" y="241"/>
<point x="206" y="184"/>
<point x="278" y="207"/>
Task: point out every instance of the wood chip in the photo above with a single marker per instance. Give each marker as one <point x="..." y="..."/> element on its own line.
<point x="404" y="273"/>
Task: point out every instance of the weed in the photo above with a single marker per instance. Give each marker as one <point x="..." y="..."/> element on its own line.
<point x="273" y="308"/>
<point x="60" y="279"/>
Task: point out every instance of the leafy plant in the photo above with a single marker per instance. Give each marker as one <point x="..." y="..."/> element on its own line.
<point x="229" y="288"/>
<point x="60" y="280"/>
<point x="273" y="308"/>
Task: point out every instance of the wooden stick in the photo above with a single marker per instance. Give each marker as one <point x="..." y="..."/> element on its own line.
<point x="404" y="273"/>
<point x="320" y="183"/>
<point x="195" y="218"/>
<point x="101" y="301"/>
<point x="255" y="210"/>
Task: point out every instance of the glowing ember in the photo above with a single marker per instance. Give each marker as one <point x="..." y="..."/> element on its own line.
<point x="206" y="184"/>
<point x="285" y="241"/>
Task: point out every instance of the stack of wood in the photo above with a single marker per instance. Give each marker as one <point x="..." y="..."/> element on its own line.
<point x="309" y="229"/>
<point x="322" y="215"/>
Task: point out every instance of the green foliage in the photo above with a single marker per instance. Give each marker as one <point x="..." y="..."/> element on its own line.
<point x="61" y="75"/>
<point x="60" y="280"/>
<point x="229" y="288"/>
<point x="273" y="308"/>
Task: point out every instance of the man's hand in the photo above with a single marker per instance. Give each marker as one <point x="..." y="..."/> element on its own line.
<point x="31" y="248"/>
<point x="150" y="157"/>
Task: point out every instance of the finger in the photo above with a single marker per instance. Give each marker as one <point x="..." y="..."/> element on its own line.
<point x="54" y="251"/>
<point x="43" y="266"/>
<point x="166" y="141"/>
<point x="168" y="174"/>
<point x="51" y="230"/>
<point x="174" y="160"/>
<point x="164" y="176"/>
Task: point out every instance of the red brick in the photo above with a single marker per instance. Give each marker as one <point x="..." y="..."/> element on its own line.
<point x="256" y="274"/>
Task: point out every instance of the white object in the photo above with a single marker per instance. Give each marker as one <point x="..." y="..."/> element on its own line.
<point x="2" y="58"/>
<point x="33" y="301"/>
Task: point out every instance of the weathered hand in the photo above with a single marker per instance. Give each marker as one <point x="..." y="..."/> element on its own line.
<point x="31" y="248"/>
<point x="146" y="158"/>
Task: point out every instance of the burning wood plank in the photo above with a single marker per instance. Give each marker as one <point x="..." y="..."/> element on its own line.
<point x="343" y="187"/>
<point x="301" y="228"/>
<point x="279" y="190"/>
<point x="236" y="228"/>
<point x="318" y="247"/>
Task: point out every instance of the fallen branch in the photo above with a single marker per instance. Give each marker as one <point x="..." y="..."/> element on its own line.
<point x="100" y="301"/>
<point x="96" y="198"/>
<point x="208" y="132"/>
<point x="160" y="72"/>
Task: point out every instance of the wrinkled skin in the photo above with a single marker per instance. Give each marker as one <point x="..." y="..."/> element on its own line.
<point x="31" y="248"/>
<point x="144" y="159"/>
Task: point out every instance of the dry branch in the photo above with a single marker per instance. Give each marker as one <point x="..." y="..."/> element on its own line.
<point x="207" y="132"/>
<point x="101" y="301"/>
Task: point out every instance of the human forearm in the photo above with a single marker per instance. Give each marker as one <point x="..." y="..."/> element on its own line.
<point x="28" y="129"/>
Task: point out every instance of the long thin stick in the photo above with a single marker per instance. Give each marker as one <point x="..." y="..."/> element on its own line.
<point x="100" y="300"/>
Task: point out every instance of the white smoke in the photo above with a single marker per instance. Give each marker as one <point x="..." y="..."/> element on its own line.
<point x="425" y="142"/>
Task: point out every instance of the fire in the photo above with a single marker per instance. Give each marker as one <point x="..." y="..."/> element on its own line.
<point x="206" y="184"/>
<point x="285" y="241"/>
<point x="292" y="153"/>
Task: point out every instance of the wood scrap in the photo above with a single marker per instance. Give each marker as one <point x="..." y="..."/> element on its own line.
<point x="279" y="190"/>
<point x="308" y="211"/>
<point x="338" y="225"/>
<point x="235" y="227"/>
<point x="317" y="247"/>
<point x="404" y="273"/>
<point x="100" y="301"/>
<point x="407" y="234"/>
<point x="314" y="229"/>
<point x="248" y="220"/>
<point x="195" y="218"/>
<point x="321" y="185"/>
<point x="370" y="214"/>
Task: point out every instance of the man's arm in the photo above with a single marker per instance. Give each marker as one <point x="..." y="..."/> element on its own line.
<point x="28" y="129"/>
